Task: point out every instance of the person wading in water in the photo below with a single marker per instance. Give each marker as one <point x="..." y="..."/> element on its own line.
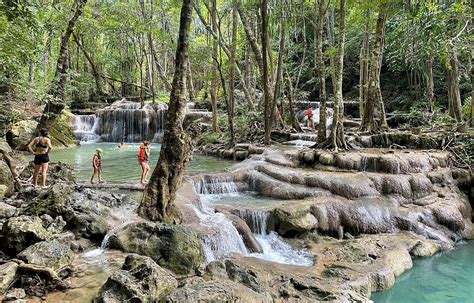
<point x="40" y="147"/>
<point x="143" y="158"/>
<point x="97" y="165"/>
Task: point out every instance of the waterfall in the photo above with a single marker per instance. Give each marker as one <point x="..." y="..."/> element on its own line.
<point x="123" y="121"/>
<point x="274" y="248"/>
<point x="85" y="127"/>
<point x="215" y="186"/>
<point x="256" y="220"/>
<point x="105" y="242"/>
<point x="221" y="237"/>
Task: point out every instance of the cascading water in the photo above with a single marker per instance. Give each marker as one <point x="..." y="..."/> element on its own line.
<point x="85" y="127"/>
<point x="123" y="121"/>
<point x="222" y="238"/>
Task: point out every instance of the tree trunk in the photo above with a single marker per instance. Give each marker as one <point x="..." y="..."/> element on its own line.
<point x="95" y="72"/>
<point x="374" y="98"/>
<point x="336" y="140"/>
<point x="471" y="33"/>
<point x="189" y="77"/>
<point x="267" y="97"/>
<point x="159" y="196"/>
<point x="230" y="105"/>
<point x="245" y="86"/>
<point x="276" y="95"/>
<point x="320" y="8"/>
<point x="364" y="66"/>
<point x="454" y="95"/>
<point x="56" y="104"/>
<point x="430" y="82"/>
<point x="215" y="117"/>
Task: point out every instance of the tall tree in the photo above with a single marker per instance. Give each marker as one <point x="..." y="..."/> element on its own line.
<point x="177" y="147"/>
<point x="336" y="139"/>
<point x="321" y="7"/>
<point x="267" y="93"/>
<point x="56" y="103"/>
<point x="374" y="98"/>
<point x="233" y="63"/>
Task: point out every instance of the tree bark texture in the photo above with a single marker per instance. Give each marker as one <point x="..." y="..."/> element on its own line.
<point x="177" y="147"/>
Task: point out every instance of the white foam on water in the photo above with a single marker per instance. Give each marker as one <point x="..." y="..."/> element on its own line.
<point x="277" y="250"/>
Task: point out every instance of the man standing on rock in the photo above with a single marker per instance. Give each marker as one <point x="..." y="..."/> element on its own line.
<point x="42" y="146"/>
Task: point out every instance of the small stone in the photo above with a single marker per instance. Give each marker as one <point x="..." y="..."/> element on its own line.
<point x="348" y="236"/>
<point x="15" y="294"/>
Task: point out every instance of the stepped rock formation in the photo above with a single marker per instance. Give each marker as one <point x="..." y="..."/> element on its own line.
<point x="364" y="214"/>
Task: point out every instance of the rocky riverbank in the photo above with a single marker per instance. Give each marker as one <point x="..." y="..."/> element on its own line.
<point x="361" y="216"/>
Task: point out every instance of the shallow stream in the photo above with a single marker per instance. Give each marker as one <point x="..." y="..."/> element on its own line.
<point x="120" y="165"/>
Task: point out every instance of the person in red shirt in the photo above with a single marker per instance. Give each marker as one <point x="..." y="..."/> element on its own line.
<point x="97" y="165"/>
<point x="309" y="114"/>
<point x="143" y="159"/>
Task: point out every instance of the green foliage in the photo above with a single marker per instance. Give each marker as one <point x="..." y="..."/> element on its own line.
<point x="211" y="138"/>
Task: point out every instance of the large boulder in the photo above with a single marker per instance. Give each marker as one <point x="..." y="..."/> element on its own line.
<point x="20" y="232"/>
<point x="139" y="280"/>
<point x="86" y="215"/>
<point x="175" y="247"/>
<point x="51" y="201"/>
<point x="51" y="254"/>
<point x="294" y="222"/>
<point x="21" y="133"/>
<point x="7" y="276"/>
<point x="217" y="291"/>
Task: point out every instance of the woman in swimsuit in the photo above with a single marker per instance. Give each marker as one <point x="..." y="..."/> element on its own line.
<point x="97" y="165"/>
<point x="143" y="158"/>
<point x="40" y="147"/>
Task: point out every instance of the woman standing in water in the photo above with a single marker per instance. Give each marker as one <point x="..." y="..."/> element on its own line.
<point x="40" y="147"/>
<point x="97" y="165"/>
<point x="143" y="158"/>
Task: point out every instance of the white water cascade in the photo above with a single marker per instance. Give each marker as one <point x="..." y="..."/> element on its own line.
<point x="85" y="127"/>
<point x="123" y="121"/>
<point x="223" y="239"/>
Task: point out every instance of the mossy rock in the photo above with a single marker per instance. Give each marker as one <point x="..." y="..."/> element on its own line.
<point x="61" y="131"/>
<point x="174" y="247"/>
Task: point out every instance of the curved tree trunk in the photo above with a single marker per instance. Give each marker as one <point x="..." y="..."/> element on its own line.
<point x="56" y="104"/>
<point x="177" y="147"/>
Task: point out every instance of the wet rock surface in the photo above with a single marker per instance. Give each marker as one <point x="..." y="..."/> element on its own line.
<point x="51" y="254"/>
<point x="139" y="280"/>
<point x="174" y="247"/>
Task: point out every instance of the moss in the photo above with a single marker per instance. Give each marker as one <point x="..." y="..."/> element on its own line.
<point x="61" y="131"/>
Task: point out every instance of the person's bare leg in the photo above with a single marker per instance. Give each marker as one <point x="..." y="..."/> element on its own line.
<point x="147" y="170"/>
<point x="44" y="172"/>
<point x="92" y="178"/>
<point x="35" y="175"/>
<point x="142" y="165"/>
<point x="99" y="175"/>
